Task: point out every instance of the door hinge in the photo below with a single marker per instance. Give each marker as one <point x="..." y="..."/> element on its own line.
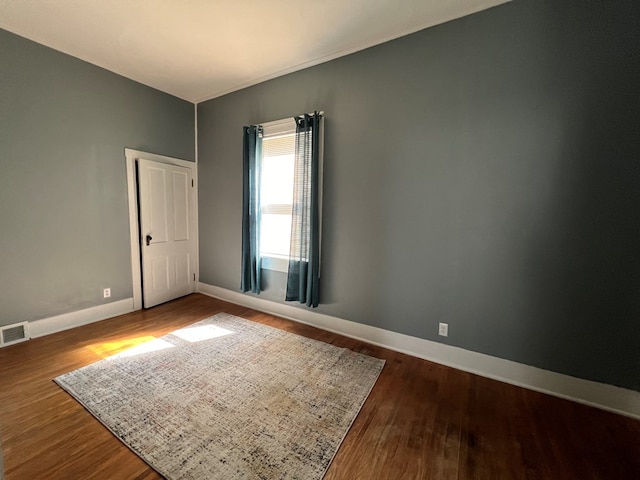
<point x="194" y="277"/>
<point x="192" y="182"/>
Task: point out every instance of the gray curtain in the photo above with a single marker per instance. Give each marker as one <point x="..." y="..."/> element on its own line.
<point x="304" y="259"/>
<point x="252" y="153"/>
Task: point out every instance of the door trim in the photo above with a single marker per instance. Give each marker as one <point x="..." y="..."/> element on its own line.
<point x="131" y="156"/>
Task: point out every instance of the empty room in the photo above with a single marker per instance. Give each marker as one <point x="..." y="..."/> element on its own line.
<point x="321" y="240"/>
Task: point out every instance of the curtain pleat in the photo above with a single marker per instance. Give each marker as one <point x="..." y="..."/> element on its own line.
<point x="252" y="153"/>
<point x="303" y="278"/>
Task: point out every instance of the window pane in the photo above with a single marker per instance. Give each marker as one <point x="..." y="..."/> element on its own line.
<point x="275" y="234"/>
<point x="276" y="194"/>
<point x="277" y="180"/>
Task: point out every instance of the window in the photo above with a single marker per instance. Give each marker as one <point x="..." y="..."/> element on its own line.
<point x="276" y="193"/>
<point x="282" y="199"/>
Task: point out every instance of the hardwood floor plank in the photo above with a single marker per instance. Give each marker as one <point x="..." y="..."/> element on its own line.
<point x="421" y="421"/>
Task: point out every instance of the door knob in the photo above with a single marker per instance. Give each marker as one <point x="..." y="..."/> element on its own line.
<point x="149" y="238"/>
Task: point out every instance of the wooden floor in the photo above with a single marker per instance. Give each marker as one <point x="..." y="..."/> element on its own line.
<point x="421" y="421"/>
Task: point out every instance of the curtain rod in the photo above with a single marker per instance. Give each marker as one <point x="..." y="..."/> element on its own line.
<point x="321" y="112"/>
<point x="285" y="120"/>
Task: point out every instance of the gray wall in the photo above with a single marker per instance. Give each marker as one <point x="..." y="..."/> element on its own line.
<point x="483" y="173"/>
<point x="64" y="228"/>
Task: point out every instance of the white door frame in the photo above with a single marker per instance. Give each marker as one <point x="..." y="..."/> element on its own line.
<point x="134" y="229"/>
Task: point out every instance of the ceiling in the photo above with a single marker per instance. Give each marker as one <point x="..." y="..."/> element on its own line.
<point x="201" y="49"/>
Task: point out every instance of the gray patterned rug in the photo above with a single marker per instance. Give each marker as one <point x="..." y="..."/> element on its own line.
<point x="227" y="398"/>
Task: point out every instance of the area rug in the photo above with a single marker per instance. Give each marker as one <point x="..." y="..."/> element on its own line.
<point x="227" y="398"/>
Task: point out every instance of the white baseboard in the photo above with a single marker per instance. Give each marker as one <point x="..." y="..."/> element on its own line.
<point x="47" y="326"/>
<point x="607" y="397"/>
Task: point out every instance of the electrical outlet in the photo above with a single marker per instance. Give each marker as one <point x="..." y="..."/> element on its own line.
<point x="443" y="329"/>
<point x="106" y="293"/>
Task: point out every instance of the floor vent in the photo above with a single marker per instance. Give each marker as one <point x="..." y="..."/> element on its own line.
<point x="10" y="334"/>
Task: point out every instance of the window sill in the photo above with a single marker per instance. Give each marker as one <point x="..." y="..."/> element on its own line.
<point x="277" y="264"/>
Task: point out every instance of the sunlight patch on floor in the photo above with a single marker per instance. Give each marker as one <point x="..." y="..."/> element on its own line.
<point x="108" y="349"/>
<point x="148" y="343"/>
<point x="149" y="346"/>
<point x="201" y="332"/>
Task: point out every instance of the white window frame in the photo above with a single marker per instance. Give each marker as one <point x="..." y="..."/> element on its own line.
<point x="278" y="263"/>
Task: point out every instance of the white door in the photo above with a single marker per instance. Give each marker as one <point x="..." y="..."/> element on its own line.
<point x="166" y="238"/>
